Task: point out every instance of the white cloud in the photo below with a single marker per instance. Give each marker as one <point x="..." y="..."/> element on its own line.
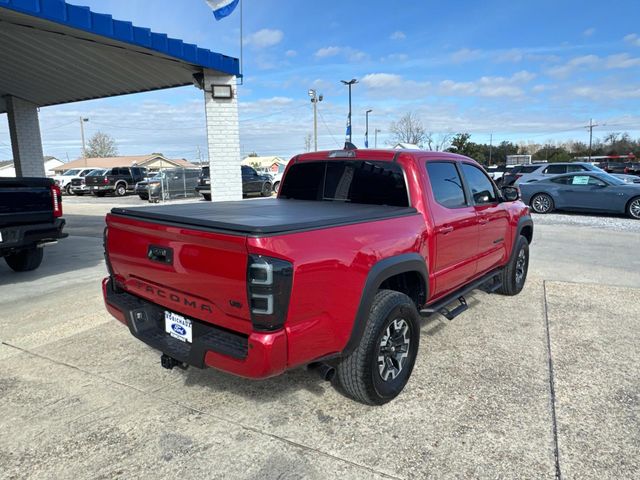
<point x="465" y="55"/>
<point x="264" y="38"/>
<point x="382" y="80"/>
<point x="514" y="55"/>
<point x="621" y="60"/>
<point x="327" y="52"/>
<point x="398" y="35"/>
<point x="606" y="92"/>
<point x="395" y="58"/>
<point x="349" y="53"/>
<point x="291" y="53"/>
<point x="589" y="32"/>
<point x="488" y="86"/>
<point x="576" y="63"/>
<point x="633" y="39"/>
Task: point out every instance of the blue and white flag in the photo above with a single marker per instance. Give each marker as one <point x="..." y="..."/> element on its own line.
<point x="348" y="125"/>
<point x="222" y="8"/>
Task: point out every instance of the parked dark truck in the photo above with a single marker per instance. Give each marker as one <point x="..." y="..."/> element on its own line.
<point x="335" y="273"/>
<point x="117" y="180"/>
<point x="30" y="218"/>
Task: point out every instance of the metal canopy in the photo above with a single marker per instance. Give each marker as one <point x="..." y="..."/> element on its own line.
<point x="52" y="52"/>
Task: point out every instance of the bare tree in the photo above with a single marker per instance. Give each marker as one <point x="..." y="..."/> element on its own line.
<point x="101" y="145"/>
<point x="408" y="129"/>
<point x="307" y="142"/>
<point x="438" y="143"/>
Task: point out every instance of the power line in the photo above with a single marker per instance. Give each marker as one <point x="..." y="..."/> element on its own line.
<point x="327" y="127"/>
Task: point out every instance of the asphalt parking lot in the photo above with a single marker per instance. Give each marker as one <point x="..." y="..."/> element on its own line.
<point x="534" y="386"/>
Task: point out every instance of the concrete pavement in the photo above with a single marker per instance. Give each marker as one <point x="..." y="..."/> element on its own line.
<point x="82" y="398"/>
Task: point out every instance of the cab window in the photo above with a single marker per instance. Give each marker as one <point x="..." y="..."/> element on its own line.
<point x="481" y="187"/>
<point x="446" y="184"/>
<point x="555" y="169"/>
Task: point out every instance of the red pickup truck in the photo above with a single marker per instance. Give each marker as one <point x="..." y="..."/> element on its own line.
<point x="334" y="274"/>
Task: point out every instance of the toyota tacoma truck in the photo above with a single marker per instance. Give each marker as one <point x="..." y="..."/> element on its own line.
<point x="333" y="274"/>
<point x="30" y="218"/>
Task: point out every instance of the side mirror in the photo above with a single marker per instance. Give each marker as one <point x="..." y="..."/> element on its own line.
<point x="510" y="194"/>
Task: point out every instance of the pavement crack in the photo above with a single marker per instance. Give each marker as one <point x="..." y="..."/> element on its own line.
<point x="552" y="388"/>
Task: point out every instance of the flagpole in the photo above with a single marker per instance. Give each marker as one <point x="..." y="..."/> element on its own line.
<point x="241" y="67"/>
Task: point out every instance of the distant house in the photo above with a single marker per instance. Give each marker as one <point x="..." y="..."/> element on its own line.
<point x="153" y="161"/>
<point x="7" y="168"/>
<point x="273" y="164"/>
<point x="406" y="146"/>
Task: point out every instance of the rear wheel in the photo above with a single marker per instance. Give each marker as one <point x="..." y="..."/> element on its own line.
<point x="515" y="273"/>
<point x="542" y="203"/>
<point x="380" y="366"/>
<point x="276" y="187"/>
<point x="67" y="189"/>
<point x="25" y="260"/>
<point x="207" y="196"/>
<point x="633" y="208"/>
<point x="121" y="189"/>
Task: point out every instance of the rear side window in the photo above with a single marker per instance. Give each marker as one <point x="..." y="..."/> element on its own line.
<point x="479" y="184"/>
<point x="446" y="184"/>
<point x="356" y="181"/>
<point x="576" y="168"/>
<point x="555" y="169"/>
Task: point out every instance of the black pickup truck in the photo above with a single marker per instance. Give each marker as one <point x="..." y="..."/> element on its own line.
<point x="30" y="217"/>
<point x="118" y="180"/>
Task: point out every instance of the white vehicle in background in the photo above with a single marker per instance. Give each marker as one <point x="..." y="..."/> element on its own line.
<point x="64" y="180"/>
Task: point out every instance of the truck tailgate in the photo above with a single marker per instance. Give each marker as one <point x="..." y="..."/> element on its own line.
<point x="198" y="274"/>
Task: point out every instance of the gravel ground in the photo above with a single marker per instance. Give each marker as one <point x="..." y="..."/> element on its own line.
<point x="609" y="222"/>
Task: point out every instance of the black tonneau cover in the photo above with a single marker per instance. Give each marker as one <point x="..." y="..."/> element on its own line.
<point x="264" y="217"/>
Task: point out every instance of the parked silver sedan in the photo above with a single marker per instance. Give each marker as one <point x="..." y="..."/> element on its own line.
<point x="583" y="191"/>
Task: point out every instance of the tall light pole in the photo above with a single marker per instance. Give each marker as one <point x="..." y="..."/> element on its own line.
<point x="375" y="142"/>
<point x="366" y="128"/>
<point x="315" y="98"/>
<point x="84" y="149"/>
<point x="349" y="83"/>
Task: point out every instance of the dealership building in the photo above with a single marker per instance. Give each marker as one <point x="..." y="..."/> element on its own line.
<point x="53" y="53"/>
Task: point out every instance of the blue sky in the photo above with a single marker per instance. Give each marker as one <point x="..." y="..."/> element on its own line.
<point x="521" y="71"/>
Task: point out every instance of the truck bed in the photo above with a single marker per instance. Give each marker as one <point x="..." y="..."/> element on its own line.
<point x="264" y="217"/>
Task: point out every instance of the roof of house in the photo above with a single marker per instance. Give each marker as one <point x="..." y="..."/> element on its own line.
<point x="125" y="161"/>
<point x="262" y="161"/>
<point x="47" y="158"/>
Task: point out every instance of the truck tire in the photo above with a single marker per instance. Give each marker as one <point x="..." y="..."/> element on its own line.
<point x="515" y="273"/>
<point x="276" y="187"/>
<point x="380" y="366"/>
<point x="121" y="189"/>
<point x="206" y="196"/>
<point x="266" y="190"/>
<point x="25" y="260"/>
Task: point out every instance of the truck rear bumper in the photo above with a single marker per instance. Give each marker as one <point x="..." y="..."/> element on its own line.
<point x="20" y="236"/>
<point x="257" y="355"/>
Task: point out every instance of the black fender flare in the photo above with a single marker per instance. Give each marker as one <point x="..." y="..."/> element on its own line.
<point x="524" y="221"/>
<point x="384" y="269"/>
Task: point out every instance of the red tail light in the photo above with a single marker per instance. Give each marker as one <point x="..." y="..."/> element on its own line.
<point x="56" y="201"/>
<point x="626" y="170"/>
<point x="105" y="180"/>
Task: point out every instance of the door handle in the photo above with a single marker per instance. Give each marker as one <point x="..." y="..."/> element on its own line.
<point x="445" y="230"/>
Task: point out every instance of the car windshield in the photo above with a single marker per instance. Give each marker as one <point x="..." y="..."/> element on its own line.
<point x="610" y="178"/>
<point x="71" y="172"/>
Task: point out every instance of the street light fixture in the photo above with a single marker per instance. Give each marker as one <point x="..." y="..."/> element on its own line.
<point x="366" y="129"/>
<point x="349" y="83"/>
<point x="315" y="98"/>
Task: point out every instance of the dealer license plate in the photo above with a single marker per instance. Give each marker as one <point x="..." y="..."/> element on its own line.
<point x="178" y="327"/>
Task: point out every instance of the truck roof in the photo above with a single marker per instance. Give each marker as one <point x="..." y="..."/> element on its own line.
<point x="375" y="154"/>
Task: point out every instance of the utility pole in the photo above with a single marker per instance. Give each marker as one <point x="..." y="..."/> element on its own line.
<point x="315" y="98"/>
<point x="199" y="154"/>
<point x="375" y="134"/>
<point x="84" y="149"/>
<point x="490" y="147"/>
<point x="590" y="127"/>
<point x="349" y="84"/>
<point x="366" y="130"/>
